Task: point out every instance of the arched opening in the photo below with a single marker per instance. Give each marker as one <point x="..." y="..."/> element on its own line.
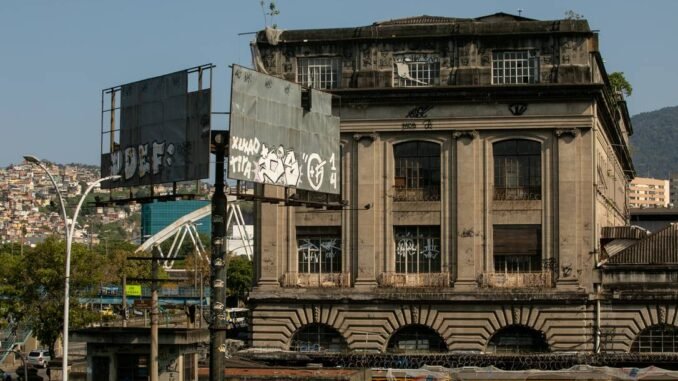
<point x="517" y="339"/>
<point x="318" y="337"/>
<point x="417" y="171"/>
<point x="416" y="338"/>
<point x="658" y="338"/>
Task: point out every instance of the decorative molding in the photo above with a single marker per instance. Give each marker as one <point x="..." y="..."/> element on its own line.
<point x="571" y="132"/>
<point x="371" y="137"/>
<point x="471" y="134"/>
<point x="515" y="314"/>
<point x="661" y="315"/>
<point x="316" y="314"/>
<point x="415" y="314"/>
<point x="517" y="108"/>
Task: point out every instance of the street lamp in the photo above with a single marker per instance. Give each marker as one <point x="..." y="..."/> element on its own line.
<point x="70" y="230"/>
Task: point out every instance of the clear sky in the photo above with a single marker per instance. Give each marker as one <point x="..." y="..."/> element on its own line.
<point x="57" y="56"/>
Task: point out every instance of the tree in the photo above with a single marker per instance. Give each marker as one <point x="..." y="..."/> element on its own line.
<point x="572" y="15"/>
<point x="38" y="291"/>
<point x="619" y="83"/>
<point x="239" y="277"/>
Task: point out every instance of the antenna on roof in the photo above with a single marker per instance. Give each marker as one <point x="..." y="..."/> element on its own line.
<point x="520" y="11"/>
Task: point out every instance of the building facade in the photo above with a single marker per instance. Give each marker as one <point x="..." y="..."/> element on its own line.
<point x="645" y="192"/>
<point x="481" y="159"/>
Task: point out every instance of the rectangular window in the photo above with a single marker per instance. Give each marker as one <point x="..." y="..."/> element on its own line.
<point x="514" y="67"/>
<point x="517" y="248"/>
<point x="414" y="70"/>
<point x="318" y="72"/>
<point x="319" y="249"/>
<point x="417" y="249"/>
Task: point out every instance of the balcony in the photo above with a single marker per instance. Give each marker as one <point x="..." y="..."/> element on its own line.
<point x="543" y="279"/>
<point x="416" y="194"/>
<point x="393" y="279"/>
<point x="517" y="193"/>
<point x="316" y="280"/>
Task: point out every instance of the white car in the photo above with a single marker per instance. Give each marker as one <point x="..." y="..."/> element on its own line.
<point x="39" y="357"/>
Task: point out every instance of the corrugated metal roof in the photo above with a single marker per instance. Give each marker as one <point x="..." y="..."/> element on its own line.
<point x="624" y="232"/>
<point x="618" y="245"/>
<point x="423" y="19"/>
<point x="426" y="19"/>
<point x="658" y="249"/>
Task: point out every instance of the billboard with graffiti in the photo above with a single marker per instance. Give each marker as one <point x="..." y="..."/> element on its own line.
<point x="163" y="136"/>
<point x="274" y="140"/>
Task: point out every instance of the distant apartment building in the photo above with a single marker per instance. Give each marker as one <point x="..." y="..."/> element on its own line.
<point x="645" y="192"/>
<point x="673" y="187"/>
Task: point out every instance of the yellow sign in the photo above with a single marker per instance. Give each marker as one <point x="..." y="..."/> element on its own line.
<point x="133" y="289"/>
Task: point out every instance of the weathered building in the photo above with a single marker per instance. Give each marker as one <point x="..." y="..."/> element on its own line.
<point x="481" y="159"/>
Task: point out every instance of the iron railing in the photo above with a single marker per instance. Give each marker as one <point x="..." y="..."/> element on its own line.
<point x="393" y="279"/>
<point x="416" y="194"/>
<point x="517" y="193"/>
<point x="316" y="280"/>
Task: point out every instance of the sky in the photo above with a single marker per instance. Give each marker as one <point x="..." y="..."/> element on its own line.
<point x="57" y="56"/>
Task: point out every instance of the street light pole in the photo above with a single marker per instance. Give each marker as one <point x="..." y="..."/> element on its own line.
<point x="70" y="230"/>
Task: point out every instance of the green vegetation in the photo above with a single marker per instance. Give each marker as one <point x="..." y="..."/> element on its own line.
<point x="655" y="133"/>
<point x="34" y="283"/>
<point x="239" y="277"/>
<point x="619" y="83"/>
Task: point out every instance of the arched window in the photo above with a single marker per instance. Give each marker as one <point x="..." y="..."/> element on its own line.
<point x="318" y="337"/>
<point x="517" y="339"/>
<point x="657" y="338"/>
<point x="517" y="170"/>
<point x="417" y="171"/>
<point x="416" y="338"/>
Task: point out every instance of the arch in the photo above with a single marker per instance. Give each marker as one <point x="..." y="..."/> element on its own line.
<point x="517" y="169"/>
<point x="517" y="338"/>
<point x="318" y="337"/>
<point x="417" y="170"/>
<point x="416" y="338"/>
<point x="658" y="338"/>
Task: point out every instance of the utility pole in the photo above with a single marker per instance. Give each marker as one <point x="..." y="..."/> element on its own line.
<point x="217" y="320"/>
<point x="154" y="318"/>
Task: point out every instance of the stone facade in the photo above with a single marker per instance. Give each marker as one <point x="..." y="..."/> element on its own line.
<point x="440" y="82"/>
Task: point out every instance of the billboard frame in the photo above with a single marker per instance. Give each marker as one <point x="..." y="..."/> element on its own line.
<point x="110" y="128"/>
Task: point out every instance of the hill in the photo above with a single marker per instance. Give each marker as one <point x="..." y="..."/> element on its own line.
<point x="653" y="144"/>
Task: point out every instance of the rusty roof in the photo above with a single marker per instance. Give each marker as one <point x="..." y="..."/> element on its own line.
<point x="423" y="19"/>
<point x="426" y="19"/>
<point x="660" y="248"/>
<point x="624" y="232"/>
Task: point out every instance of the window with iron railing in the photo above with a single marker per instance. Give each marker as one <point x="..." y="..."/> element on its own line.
<point x="417" y="249"/>
<point x="417" y="171"/>
<point x="319" y="72"/>
<point x="416" y="70"/>
<point x="517" y="170"/>
<point x="515" y="67"/>
<point x="319" y="249"/>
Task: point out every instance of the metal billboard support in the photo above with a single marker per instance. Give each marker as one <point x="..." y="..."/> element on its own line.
<point x="217" y="320"/>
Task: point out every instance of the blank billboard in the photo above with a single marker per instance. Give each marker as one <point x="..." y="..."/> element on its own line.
<point x="164" y="133"/>
<point x="274" y="140"/>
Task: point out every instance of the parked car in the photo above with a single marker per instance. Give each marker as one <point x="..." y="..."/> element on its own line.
<point x="107" y="311"/>
<point x="39" y="357"/>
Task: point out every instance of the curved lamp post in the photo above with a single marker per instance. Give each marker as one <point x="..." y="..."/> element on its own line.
<point x="70" y="230"/>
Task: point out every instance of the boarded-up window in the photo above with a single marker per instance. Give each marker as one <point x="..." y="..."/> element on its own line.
<point x="517" y="248"/>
